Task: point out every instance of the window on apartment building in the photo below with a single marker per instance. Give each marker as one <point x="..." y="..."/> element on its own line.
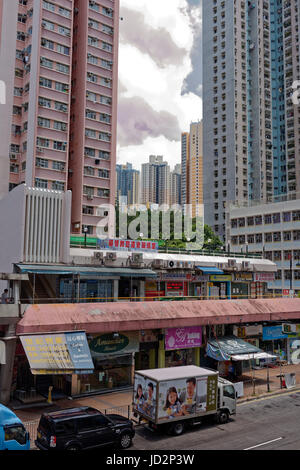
<point x="103" y="173"/>
<point x="268" y="218"/>
<point x="45" y="82"/>
<point x="277" y="236"/>
<point x="104" y="136"/>
<point x="101" y="192"/>
<point x="58" y="185"/>
<point x="48" y="6"/>
<point x="105" y="118"/>
<point x="94" y="6"/>
<point x="61" y="106"/>
<point x="287" y="236"/>
<point x="48" y="44"/>
<point x="60" y="166"/>
<point x="61" y="49"/>
<point x="43" y="122"/>
<point x="40" y="183"/>
<point x="60" y="126"/>
<point x="57" y="145"/>
<point x="41" y="163"/>
<point x="268" y="237"/>
<point x="44" y="102"/>
<point x="63" y="87"/>
<point x="104" y="155"/>
<point x="64" y="12"/>
<point x="88" y="210"/>
<point x="276" y="218"/>
<point x="64" y="31"/>
<point x="42" y="142"/>
<point x="296" y="215"/>
<point x="106" y="47"/>
<point x="62" y="68"/>
<point x="105" y="100"/>
<point x="89" y="152"/>
<point x="48" y="25"/>
<point x="286" y="217"/>
<point x="107" y="29"/>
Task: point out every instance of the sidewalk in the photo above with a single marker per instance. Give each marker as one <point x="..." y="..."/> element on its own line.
<point x="120" y="402"/>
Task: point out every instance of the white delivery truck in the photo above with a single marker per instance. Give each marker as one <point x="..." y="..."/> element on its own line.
<point x="175" y="397"/>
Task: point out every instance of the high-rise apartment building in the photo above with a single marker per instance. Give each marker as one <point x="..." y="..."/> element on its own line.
<point x="251" y="127"/>
<point x="128" y="183"/>
<point x="192" y="166"/>
<point x="175" y="185"/>
<point x="155" y="181"/>
<point x="63" y="127"/>
<point x="185" y="168"/>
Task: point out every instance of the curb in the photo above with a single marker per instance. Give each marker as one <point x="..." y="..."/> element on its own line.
<point x="268" y="394"/>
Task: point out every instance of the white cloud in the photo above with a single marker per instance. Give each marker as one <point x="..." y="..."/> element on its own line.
<point x="157" y="83"/>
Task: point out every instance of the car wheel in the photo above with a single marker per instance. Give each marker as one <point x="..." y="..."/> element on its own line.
<point x="125" y="441"/>
<point x="223" y="417"/>
<point x="73" y="448"/>
<point x="178" y="428"/>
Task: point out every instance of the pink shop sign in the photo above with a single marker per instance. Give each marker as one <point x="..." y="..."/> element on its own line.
<point x="183" y="338"/>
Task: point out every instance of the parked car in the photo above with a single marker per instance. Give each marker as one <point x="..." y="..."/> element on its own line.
<point x="83" y="428"/>
<point x="13" y="435"/>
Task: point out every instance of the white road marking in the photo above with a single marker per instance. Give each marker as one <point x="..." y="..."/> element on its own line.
<point x="264" y="443"/>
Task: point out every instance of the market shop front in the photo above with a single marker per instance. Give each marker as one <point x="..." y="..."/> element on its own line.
<point x="182" y="346"/>
<point x="113" y="359"/>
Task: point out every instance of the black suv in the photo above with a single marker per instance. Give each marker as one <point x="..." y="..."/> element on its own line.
<point x="83" y="428"/>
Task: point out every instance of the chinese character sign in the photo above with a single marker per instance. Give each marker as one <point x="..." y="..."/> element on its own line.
<point x="60" y="351"/>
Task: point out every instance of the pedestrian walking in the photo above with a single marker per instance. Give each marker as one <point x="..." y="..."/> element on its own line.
<point x="4" y="297"/>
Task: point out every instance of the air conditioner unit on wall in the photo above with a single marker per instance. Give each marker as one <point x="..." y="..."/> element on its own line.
<point x="245" y="265"/>
<point x="158" y="263"/>
<point x="136" y="259"/>
<point x="231" y="263"/>
<point x="98" y="256"/>
<point x="111" y="256"/>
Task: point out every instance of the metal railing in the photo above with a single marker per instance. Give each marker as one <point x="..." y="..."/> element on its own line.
<point x="92" y="245"/>
<point x="72" y="300"/>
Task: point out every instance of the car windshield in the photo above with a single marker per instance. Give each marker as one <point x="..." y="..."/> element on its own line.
<point x="16" y="432"/>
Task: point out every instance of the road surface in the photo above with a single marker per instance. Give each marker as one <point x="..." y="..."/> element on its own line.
<point x="266" y="424"/>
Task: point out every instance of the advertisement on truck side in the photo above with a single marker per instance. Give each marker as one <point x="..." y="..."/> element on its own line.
<point x="176" y="398"/>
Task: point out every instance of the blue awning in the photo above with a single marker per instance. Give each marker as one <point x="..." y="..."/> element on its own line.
<point x="86" y="271"/>
<point x="209" y="270"/>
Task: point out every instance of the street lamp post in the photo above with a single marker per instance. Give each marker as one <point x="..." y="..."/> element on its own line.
<point x="85" y="230"/>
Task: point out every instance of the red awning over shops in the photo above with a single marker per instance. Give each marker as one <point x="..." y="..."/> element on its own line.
<point x="135" y="316"/>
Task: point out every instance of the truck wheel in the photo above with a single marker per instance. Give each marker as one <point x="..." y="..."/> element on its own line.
<point x="177" y="428"/>
<point x="223" y="417"/>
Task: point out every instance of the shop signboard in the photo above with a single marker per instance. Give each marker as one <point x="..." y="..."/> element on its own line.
<point x="243" y="276"/>
<point x="58" y="353"/>
<point x="264" y="277"/>
<point x="273" y="332"/>
<point x="176" y="276"/>
<point x="127" y="245"/>
<point x="244" y="331"/>
<point x="114" y="344"/>
<point x="220" y="277"/>
<point x="183" y="338"/>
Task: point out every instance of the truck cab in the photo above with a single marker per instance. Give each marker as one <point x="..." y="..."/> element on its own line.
<point x="13" y="435"/>
<point x="227" y="397"/>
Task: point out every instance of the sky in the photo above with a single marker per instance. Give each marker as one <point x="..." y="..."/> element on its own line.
<point x="160" y="76"/>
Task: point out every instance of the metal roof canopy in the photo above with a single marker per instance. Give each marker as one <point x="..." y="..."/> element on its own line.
<point x="224" y="348"/>
<point x="247" y="357"/>
<point x="85" y="271"/>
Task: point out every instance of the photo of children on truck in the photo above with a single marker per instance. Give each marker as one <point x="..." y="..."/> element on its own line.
<point x="173" y="406"/>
